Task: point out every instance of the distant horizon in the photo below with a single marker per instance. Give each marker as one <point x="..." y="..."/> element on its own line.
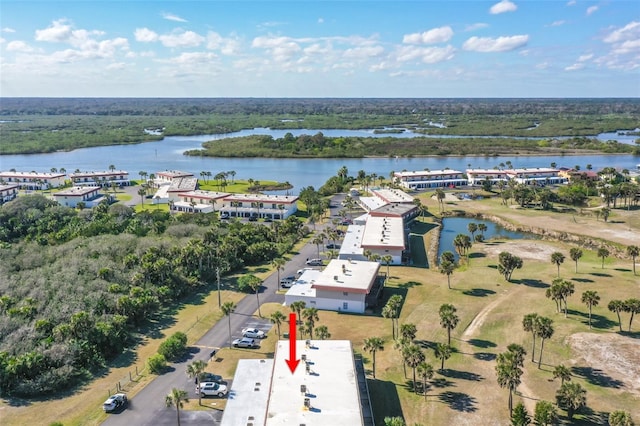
<point x="402" y="49"/>
<point x="319" y="98"/>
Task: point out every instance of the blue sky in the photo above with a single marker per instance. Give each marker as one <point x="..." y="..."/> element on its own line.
<point x="305" y="48"/>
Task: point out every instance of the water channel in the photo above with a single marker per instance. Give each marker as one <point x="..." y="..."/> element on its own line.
<point x="452" y="226"/>
<point x="167" y="154"/>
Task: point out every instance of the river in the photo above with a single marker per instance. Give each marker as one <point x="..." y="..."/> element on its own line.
<point x="167" y="154"/>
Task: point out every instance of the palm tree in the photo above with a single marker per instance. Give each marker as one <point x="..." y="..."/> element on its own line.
<point x="472" y="227"/>
<point x="278" y="263"/>
<point x="620" y="418"/>
<point x="227" y="308"/>
<point x="311" y="315"/>
<point x="603" y="253"/>
<point x="254" y="283"/>
<point x="520" y="416"/>
<point x="572" y="397"/>
<point x="297" y="307"/>
<point x="633" y="307"/>
<point x="544" y="330"/>
<point x="563" y="373"/>
<point x="545" y="413"/>
<point x="440" y="195"/>
<point x="392" y="310"/>
<point x="448" y="319"/>
<point x="447" y="268"/>
<point x="425" y="372"/>
<point x="277" y="318"/>
<point x="575" y="254"/>
<point x="557" y="258"/>
<point x="443" y="353"/>
<point x="591" y="299"/>
<point x="387" y="259"/>
<point x="322" y="333"/>
<point x="508" y="372"/>
<point x="529" y="324"/>
<point x="373" y="345"/>
<point x="408" y="332"/>
<point x="482" y="228"/>
<point x="177" y="398"/>
<point x="318" y="240"/>
<point x="617" y="306"/>
<point x="394" y="421"/>
<point x="413" y="357"/>
<point x="194" y="371"/>
<point x="633" y="252"/>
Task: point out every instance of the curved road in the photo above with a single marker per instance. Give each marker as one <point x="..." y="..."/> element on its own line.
<point x="148" y="407"/>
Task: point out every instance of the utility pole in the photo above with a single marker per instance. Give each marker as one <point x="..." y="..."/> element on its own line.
<point x="218" y="277"/>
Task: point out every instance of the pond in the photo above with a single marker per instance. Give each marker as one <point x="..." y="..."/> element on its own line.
<point x="453" y="226"/>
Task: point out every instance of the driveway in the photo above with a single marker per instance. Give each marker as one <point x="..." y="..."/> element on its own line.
<point x="148" y="407"/>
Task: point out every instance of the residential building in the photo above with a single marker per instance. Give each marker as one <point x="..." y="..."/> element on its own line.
<point x="430" y="179"/>
<point x="89" y="195"/>
<point x="34" y="180"/>
<point x="343" y="286"/>
<point x="380" y="234"/>
<point x="327" y="388"/>
<point x="117" y="177"/>
<point x="170" y="192"/>
<point x="169" y="176"/>
<point x="198" y="201"/>
<point x="476" y="177"/>
<point x="8" y="192"/>
<point x="260" y="206"/>
<point x="537" y="176"/>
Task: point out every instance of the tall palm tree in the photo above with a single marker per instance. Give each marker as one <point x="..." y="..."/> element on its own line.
<point x="318" y="240"/>
<point x="387" y="259"/>
<point x="278" y="263"/>
<point x="255" y="287"/>
<point x="277" y="318"/>
<point x="529" y="324"/>
<point x="591" y="299"/>
<point x="482" y="228"/>
<point x="633" y="252"/>
<point x="571" y="397"/>
<point x="448" y="319"/>
<point x="413" y="357"/>
<point x="442" y="352"/>
<point x="544" y="330"/>
<point x="194" y="371"/>
<point x="563" y="373"/>
<point x="311" y="315"/>
<point x="508" y="373"/>
<point x="447" y="268"/>
<point x="472" y="228"/>
<point x="557" y="258"/>
<point x="575" y="254"/>
<point x="297" y="307"/>
<point x="177" y="398"/>
<point x="373" y="345"/>
<point x="228" y="308"/>
<point x="408" y="332"/>
<point x="617" y="306"/>
<point x="633" y="307"/>
<point x="603" y="253"/>
<point x="425" y="372"/>
<point x="440" y="195"/>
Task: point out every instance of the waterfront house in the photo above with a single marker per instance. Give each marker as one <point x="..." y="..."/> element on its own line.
<point x="259" y="206"/>
<point x="343" y="286"/>
<point x="537" y="176"/>
<point x="8" y="192"/>
<point x="476" y="177"/>
<point x="430" y="179"/>
<point x="198" y="201"/>
<point x="105" y="178"/>
<point x="89" y="195"/>
<point x="34" y="180"/>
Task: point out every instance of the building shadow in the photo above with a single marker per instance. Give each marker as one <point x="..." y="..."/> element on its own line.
<point x="385" y="401"/>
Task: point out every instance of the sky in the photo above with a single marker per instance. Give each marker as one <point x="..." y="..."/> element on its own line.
<point x="307" y="48"/>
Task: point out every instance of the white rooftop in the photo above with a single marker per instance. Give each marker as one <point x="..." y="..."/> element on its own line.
<point x="249" y="395"/>
<point x="371" y="203"/>
<point x="77" y="191"/>
<point x="352" y="241"/>
<point x="331" y="386"/>
<point x="390" y="195"/>
<point x="206" y="195"/>
<point x="303" y="285"/>
<point x="263" y="198"/>
<point x="381" y="232"/>
<point x="427" y="173"/>
<point x="354" y="276"/>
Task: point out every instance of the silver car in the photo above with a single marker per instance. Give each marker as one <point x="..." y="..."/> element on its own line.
<point x="245" y="342"/>
<point x="211" y="389"/>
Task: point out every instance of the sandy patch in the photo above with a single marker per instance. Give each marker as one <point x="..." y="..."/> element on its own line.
<point x="615" y="356"/>
<point x="523" y="249"/>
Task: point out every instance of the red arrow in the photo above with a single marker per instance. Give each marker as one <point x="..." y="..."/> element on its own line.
<point x="292" y="362"/>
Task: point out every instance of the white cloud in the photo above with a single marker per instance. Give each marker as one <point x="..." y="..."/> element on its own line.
<point x="8" y="30"/>
<point x="281" y="48"/>
<point x="320" y="20"/>
<point x="172" y="17"/>
<point x="226" y="45"/>
<point x="363" y="52"/>
<point x="500" y="44"/>
<point x="628" y="32"/>
<point x="583" y="58"/>
<point x="59" y="31"/>
<point x="116" y="66"/>
<point x="629" y="46"/>
<point x="435" y="35"/>
<point x="18" y="46"/>
<point x="591" y="10"/>
<point x="188" y="58"/>
<point x="574" y="67"/>
<point x="476" y="26"/>
<point x="502" y="7"/>
<point x="181" y="39"/>
<point x="557" y="23"/>
<point x="145" y="35"/>
<point x="571" y="3"/>
<point x="543" y="65"/>
<point x="428" y="55"/>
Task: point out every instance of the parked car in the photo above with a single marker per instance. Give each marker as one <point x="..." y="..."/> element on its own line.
<point x="314" y="262"/>
<point x="210" y="377"/>
<point x="224" y="215"/>
<point x="211" y="389"/>
<point x="245" y="342"/>
<point x="253" y="333"/>
<point x="114" y="402"/>
<point x="333" y="246"/>
<point x="347" y="222"/>
<point x="287" y="282"/>
<point x="301" y="271"/>
<point x="253" y="218"/>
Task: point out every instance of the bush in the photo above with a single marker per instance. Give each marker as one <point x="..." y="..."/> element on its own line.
<point x="174" y="347"/>
<point x="157" y="363"/>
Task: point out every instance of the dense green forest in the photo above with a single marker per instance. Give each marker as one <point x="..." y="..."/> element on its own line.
<point x="342" y="147"/>
<point x="77" y="287"/>
<point x="33" y="125"/>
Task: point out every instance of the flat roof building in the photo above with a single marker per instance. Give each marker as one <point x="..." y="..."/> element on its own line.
<point x="324" y="390"/>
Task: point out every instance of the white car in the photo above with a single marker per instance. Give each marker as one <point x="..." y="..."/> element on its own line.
<point x="253" y="332"/>
<point x="314" y="262"/>
<point x="245" y="342"/>
<point x="211" y="389"/>
<point x="114" y="402"/>
<point x="287" y="282"/>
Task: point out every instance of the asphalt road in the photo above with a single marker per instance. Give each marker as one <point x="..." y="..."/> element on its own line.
<point x="148" y="406"/>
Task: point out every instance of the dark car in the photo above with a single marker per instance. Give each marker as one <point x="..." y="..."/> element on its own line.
<point x="253" y="218"/>
<point x="210" y="377"/>
<point x="333" y="246"/>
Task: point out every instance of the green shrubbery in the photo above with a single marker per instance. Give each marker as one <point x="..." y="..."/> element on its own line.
<point x="174" y="347"/>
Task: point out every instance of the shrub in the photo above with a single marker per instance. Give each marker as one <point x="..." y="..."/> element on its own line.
<point x="174" y="347"/>
<point x="157" y="363"/>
